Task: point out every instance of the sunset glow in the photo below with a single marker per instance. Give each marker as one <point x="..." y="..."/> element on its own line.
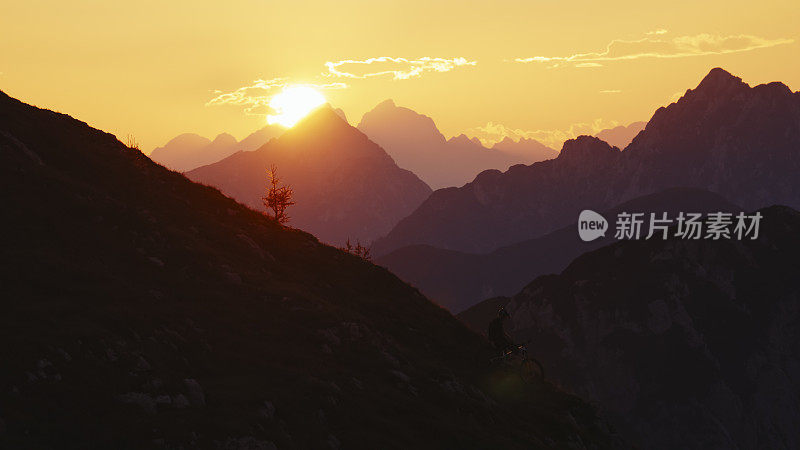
<point x="292" y="104"/>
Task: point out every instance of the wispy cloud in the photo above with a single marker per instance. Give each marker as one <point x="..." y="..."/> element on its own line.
<point x="492" y="133"/>
<point x="610" y="91"/>
<point x="397" y="68"/>
<point x="256" y="96"/>
<point x="656" y="32"/>
<point x="658" y="46"/>
<point x="589" y="64"/>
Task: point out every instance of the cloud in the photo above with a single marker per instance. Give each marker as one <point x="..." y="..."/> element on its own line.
<point x="610" y="91"/>
<point x="588" y="64"/>
<point x="398" y="68"/>
<point x="660" y="47"/>
<point x="256" y="96"/>
<point x="656" y="32"/>
<point x="492" y="132"/>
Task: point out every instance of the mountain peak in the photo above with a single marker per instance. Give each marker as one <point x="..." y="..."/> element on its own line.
<point x="719" y="81"/>
<point x="388" y="103"/>
<point x="585" y="148"/>
<point x="323" y="115"/>
<point x="506" y="141"/>
<point x="225" y="138"/>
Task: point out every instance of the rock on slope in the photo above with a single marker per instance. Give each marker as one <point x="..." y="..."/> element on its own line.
<point x="141" y="310"/>
<point x="345" y="185"/>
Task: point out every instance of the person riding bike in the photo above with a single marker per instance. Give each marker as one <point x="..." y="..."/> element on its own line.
<point x="497" y="334"/>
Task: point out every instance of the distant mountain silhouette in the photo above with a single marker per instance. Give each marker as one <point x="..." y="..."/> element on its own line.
<point x="686" y="343"/>
<point x="723" y="136"/>
<point x="531" y="149"/>
<point x="499" y="208"/>
<point x="141" y="310"/>
<point x="458" y="280"/>
<point x="189" y="151"/>
<point x="258" y="138"/>
<point x="345" y="185"/>
<point x="621" y="136"/>
<point x="415" y="143"/>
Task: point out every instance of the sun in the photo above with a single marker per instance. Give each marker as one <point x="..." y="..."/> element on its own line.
<point x="293" y="103"/>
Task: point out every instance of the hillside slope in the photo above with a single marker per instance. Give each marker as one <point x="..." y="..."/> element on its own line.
<point x="141" y="310"/>
<point x="688" y="344"/>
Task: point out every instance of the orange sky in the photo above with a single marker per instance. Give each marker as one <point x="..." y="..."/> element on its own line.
<point x="152" y="68"/>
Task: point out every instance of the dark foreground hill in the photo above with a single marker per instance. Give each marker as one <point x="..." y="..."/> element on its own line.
<point x="687" y="344"/>
<point x="458" y="280"/>
<point x="141" y="310"/>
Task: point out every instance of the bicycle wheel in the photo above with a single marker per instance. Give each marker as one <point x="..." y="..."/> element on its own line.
<point x="531" y="370"/>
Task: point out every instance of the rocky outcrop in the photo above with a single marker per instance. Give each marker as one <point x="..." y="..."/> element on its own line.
<point x="688" y="344"/>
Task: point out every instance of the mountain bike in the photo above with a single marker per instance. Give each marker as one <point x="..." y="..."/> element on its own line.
<point x="528" y="367"/>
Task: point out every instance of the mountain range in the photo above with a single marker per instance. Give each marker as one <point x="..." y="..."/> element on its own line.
<point x="723" y="136"/>
<point x="345" y="186"/>
<point x="189" y="150"/>
<point x="142" y="310"/>
<point x="688" y="344"/>
<point x="622" y="135"/>
<point x="416" y="144"/>
<point x="458" y="280"/>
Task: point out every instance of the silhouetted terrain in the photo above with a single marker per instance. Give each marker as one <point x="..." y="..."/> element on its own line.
<point x="143" y="310"/>
<point x="458" y="280"/>
<point x="622" y="135"/>
<point x="501" y="208"/>
<point x="189" y="151"/>
<point x="415" y="143"/>
<point x="529" y="149"/>
<point x="688" y="344"/>
<point x="723" y="136"/>
<point x="345" y="185"/>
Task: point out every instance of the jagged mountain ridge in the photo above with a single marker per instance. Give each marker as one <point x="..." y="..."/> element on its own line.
<point x="142" y="310"/>
<point x="620" y="136"/>
<point x="501" y="208"/>
<point x="189" y="150"/>
<point x="722" y="136"/>
<point x="345" y="186"/>
<point x="416" y="144"/>
<point x="458" y="280"/>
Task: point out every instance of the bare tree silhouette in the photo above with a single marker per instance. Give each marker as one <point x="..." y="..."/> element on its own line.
<point x="358" y="249"/>
<point x="131" y="142"/>
<point x="278" y="197"/>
